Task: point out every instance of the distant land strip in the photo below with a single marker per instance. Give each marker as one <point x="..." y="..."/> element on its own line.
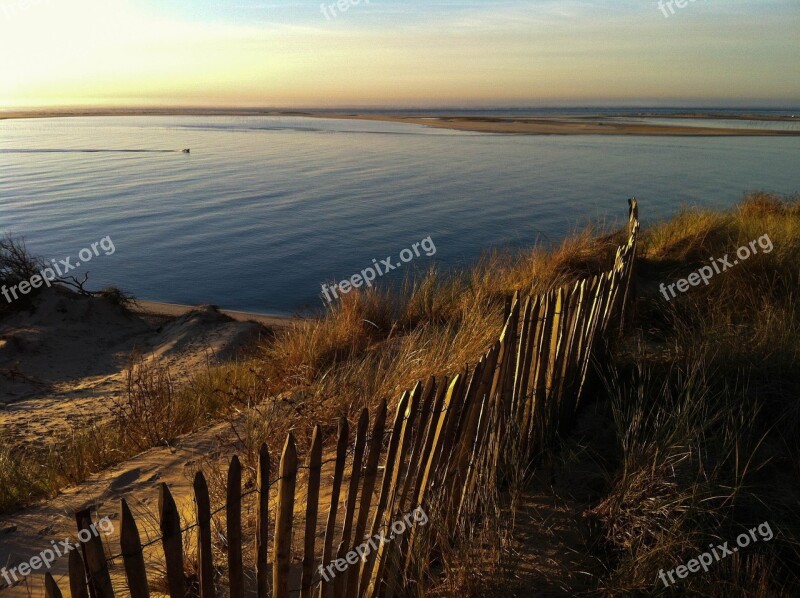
<point x="578" y="124"/>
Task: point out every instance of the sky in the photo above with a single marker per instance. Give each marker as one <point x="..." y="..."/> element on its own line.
<point x="406" y="53"/>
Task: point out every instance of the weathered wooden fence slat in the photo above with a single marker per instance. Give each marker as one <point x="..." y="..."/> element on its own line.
<point x="233" y="516"/>
<point x="204" y="557"/>
<point x="326" y="589"/>
<point x="77" y="576"/>
<point x="368" y="490"/>
<point x="352" y="494"/>
<point x="391" y="455"/>
<point x="94" y="555"/>
<point x="284" y="519"/>
<point x="51" y="587"/>
<point x="171" y="542"/>
<point x="406" y="432"/>
<point x="414" y="460"/>
<point x="312" y="510"/>
<point x="262" y="524"/>
<point x="132" y="554"/>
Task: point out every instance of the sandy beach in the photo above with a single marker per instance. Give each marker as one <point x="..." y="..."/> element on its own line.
<point x="562" y="126"/>
<point x="513" y="125"/>
<point x="174" y="310"/>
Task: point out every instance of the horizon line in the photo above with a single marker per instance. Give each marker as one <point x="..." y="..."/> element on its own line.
<point x="389" y="107"/>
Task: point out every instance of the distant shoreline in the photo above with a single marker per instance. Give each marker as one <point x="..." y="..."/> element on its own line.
<point x="566" y="124"/>
<point x="170" y="310"/>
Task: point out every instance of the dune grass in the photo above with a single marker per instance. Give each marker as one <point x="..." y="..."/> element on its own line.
<point x="703" y="394"/>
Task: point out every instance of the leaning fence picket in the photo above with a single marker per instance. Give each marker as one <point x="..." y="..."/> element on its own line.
<point x="476" y="450"/>
<point x="398" y="471"/>
<point x="352" y="492"/>
<point x="541" y="397"/>
<point x="97" y="567"/>
<point x="367" y="491"/>
<point x="204" y="556"/>
<point x="437" y="443"/>
<point x="326" y="590"/>
<point x="557" y="345"/>
<point x="583" y="345"/>
<point x="571" y="322"/>
<point x="132" y="555"/>
<point x="51" y="587"/>
<point x="528" y="398"/>
<point x="491" y="453"/>
<point x="525" y="354"/>
<point x="368" y="565"/>
<point x="312" y="510"/>
<point x="443" y="449"/>
<point x="171" y="542"/>
<point x="422" y="429"/>
<point x="507" y="389"/>
<point x="468" y="429"/>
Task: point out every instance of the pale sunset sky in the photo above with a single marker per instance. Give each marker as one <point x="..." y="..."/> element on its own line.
<point x="391" y="53"/>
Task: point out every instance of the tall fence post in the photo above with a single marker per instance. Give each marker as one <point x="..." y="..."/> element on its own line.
<point x="262" y="524"/>
<point x="171" y="542"/>
<point x="234" y="524"/>
<point x="284" y="516"/>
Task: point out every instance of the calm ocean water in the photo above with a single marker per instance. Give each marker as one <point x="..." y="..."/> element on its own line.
<point x="264" y="209"/>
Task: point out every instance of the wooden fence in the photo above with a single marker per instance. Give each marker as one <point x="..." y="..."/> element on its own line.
<point x="449" y="439"/>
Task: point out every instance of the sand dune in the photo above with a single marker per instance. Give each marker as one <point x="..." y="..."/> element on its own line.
<point x="61" y="365"/>
<point x="65" y="360"/>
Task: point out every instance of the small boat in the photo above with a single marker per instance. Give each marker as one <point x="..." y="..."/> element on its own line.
<point x="186" y="151"/>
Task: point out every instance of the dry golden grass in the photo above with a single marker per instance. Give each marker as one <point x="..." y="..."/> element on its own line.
<point x="704" y="399"/>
